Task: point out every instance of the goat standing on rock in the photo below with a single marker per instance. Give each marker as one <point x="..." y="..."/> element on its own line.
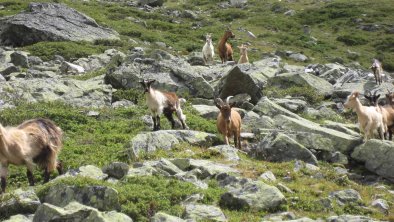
<point x="244" y="54"/>
<point x="377" y="71"/>
<point x="225" y="50"/>
<point x="228" y="122"/>
<point x="207" y="51"/>
<point x="369" y="118"/>
<point x="36" y="141"/>
<point x="163" y="102"/>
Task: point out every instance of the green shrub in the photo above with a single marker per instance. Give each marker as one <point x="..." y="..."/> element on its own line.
<point x="69" y="50"/>
<point x="309" y="93"/>
<point x="352" y="39"/>
<point x="230" y="14"/>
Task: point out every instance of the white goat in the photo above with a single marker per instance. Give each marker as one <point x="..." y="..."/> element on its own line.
<point x="244" y="54"/>
<point x="377" y="71"/>
<point x="369" y="118"/>
<point x="208" y="51"/>
<point x="228" y="122"/>
<point x="163" y="102"/>
<point x="36" y="141"/>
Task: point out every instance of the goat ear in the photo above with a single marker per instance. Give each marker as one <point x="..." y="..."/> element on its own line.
<point x="377" y="97"/>
<point x="219" y="103"/>
<point x="142" y="83"/>
<point x="232" y="105"/>
<point x="356" y="94"/>
<point x="367" y="97"/>
<point x="151" y="81"/>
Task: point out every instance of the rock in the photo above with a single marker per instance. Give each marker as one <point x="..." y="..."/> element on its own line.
<point x="69" y="68"/>
<point x="298" y="57"/>
<point x="123" y="104"/>
<point x="204" y="212"/>
<point x="377" y="156"/>
<point x="20" y="218"/>
<point x="238" y="3"/>
<point x="321" y="86"/>
<point x="101" y="197"/>
<point x="229" y="152"/>
<point x="20" y="59"/>
<point x="284" y="188"/>
<point x="341" y="91"/>
<point x="89" y="93"/>
<point x="268" y="176"/>
<point x="166" y="139"/>
<point x="34" y="60"/>
<point x="8" y="69"/>
<point x="351" y="129"/>
<point x="208" y="169"/>
<point x="153" y="3"/>
<point x="338" y="157"/>
<point x="254" y="195"/>
<point x="163" y="217"/>
<point x="116" y="170"/>
<point x="19" y="202"/>
<point x="189" y="14"/>
<point x="36" y="74"/>
<point x="76" y="212"/>
<point x="346" y="218"/>
<point x="208" y="112"/>
<point x="267" y="107"/>
<point x="339" y="141"/>
<point x="294" y="105"/>
<point x="111" y="57"/>
<point x="252" y="122"/>
<point x="51" y="22"/>
<point x="278" y="147"/>
<point x="196" y="59"/>
<point x="345" y="196"/>
<point x="381" y="205"/>
<point x="86" y="171"/>
<point x="283" y="216"/>
<point x="242" y="78"/>
<point x="290" y="12"/>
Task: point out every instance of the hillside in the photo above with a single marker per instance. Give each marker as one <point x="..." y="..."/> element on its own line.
<point x="303" y="159"/>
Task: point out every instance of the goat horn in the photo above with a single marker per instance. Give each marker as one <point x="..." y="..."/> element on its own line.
<point x="228" y="99"/>
<point x="219" y="100"/>
<point x="374" y="94"/>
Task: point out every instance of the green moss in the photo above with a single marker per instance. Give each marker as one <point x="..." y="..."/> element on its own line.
<point x="309" y="93"/>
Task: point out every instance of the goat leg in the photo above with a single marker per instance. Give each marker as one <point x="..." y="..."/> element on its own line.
<point x="59" y="167"/>
<point x="168" y="115"/>
<point x="3" y="184"/>
<point x="30" y="177"/>
<point x="154" y="123"/>
<point x="158" y="123"/>
<point x="46" y="175"/>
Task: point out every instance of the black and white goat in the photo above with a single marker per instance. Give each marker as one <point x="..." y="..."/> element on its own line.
<point x="163" y="102"/>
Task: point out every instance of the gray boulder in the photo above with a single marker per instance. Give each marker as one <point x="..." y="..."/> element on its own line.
<point x="86" y="171"/>
<point x="229" y="152"/>
<point x="163" y="217"/>
<point x="20" y="59"/>
<point x="153" y="3"/>
<point x="96" y="62"/>
<point x="76" y="212"/>
<point x="269" y="108"/>
<point x="345" y="196"/>
<point x="341" y="91"/>
<point x="253" y="122"/>
<point x="294" y="105"/>
<point x="254" y="195"/>
<point x="347" y="218"/>
<point x="90" y="93"/>
<point x="166" y="139"/>
<point x="51" y="22"/>
<point x="204" y="212"/>
<point x="287" y="80"/>
<point x="340" y="141"/>
<point x="208" y="112"/>
<point x="19" y="202"/>
<point x="298" y="57"/>
<point x="377" y="156"/>
<point x="116" y="170"/>
<point x="206" y="168"/>
<point x="20" y="218"/>
<point x="278" y="147"/>
<point x="244" y="78"/>
<point x="100" y="197"/>
<point x="381" y="205"/>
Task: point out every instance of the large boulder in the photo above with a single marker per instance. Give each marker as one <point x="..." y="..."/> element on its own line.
<point x="287" y="80"/>
<point x="100" y="197"/>
<point x="269" y="108"/>
<point x="342" y="142"/>
<point x="20" y="218"/>
<point x="377" y="155"/>
<point x="90" y="93"/>
<point x="278" y="147"/>
<point x="204" y="212"/>
<point x="343" y="90"/>
<point x="96" y="62"/>
<point x="244" y="78"/>
<point x="163" y="217"/>
<point x="166" y="139"/>
<point x="19" y="202"/>
<point x="51" y="22"/>
<point x="248" y="194"/>
<point x="347" y="217"/>
<point x="76" y="212"/>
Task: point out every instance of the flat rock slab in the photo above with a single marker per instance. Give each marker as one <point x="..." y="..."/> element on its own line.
<point x="51" y="22"/>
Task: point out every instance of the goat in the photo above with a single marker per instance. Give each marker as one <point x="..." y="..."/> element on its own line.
<point x="208" y="51"/>
<point x="388" y="119"/>
<point x="228" y="121"/>
<point x="244" y="54"/>
<point x="368" y="117"/>
<point x="225" y="50"/>
<point x="163" y="102"/>
<point x="36" y="141"/>
<point x="377" y="71"/>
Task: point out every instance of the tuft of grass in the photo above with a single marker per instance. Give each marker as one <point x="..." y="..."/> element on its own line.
<point x="309" y="93"/>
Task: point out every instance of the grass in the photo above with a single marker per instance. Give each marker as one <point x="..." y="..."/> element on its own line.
<point x="306" y="92"/>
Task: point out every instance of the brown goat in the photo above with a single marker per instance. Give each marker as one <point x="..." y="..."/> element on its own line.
<point x="34" y="142"/>
<point x="228" y="122"/>
<point x="225" y="50"/>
